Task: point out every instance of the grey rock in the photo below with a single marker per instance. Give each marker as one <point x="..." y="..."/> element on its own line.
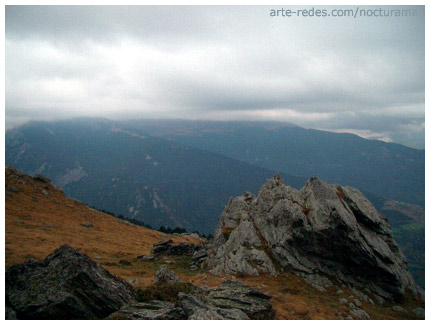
<point x="321" y="229"/>
<point x="150" y="310"/>
<point x="419" y="312"/>
<point x="357" y="302"/>
<point x="170" y="248"/>
<point x="340" y="291"/>
<point x="360" y="294"/>
<point x="146" y="258"/>
<point x="231" y="300"/>
<point x="198" y="258"/>
<point x="319" y="282"/>
<point x="165" y="275"/>
<point x="343" y="301"/>
<point x="66" y="285"/>
<point x="235" y="295"/>
<point x="87" y="224"/>
<point x="359" y="313"/>
<point x="399" y="309"/>
<point x="133" y="281"/>
<point x="196" y="308"/>
<point x="12" y="188"/>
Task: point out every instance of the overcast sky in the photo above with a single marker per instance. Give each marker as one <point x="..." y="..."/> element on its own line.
<point x="363" y="75"/>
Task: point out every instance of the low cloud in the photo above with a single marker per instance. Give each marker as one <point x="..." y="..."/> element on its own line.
<point x="365" y="75"/>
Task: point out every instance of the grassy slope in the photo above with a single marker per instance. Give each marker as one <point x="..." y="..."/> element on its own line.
<point x="37" y="223"/>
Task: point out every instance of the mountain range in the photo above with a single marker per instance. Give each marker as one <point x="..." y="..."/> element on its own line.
<point x="181" y="173"/>
<point x="65" y="260"/>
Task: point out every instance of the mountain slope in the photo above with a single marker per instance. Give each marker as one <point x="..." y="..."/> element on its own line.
<point x="143" y="177"/>
<point x="386" y="169"/>
<point x="40" y="218"/>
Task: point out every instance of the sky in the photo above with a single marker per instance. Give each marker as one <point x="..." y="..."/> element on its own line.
<point x="364" y="75"/>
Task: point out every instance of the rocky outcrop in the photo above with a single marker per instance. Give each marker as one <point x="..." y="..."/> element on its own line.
<point x="231" y="300"/>
<point x="170" y="248"/>
<point x="150" y="310"/>
<point x="165" y="275"/>
<point x="66" y="285"/>
<point x="322" y="228"/>
<point x="235" y="295"/>
<point x="198" y="259"/>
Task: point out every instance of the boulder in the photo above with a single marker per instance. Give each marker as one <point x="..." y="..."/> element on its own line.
<point x="231" y="300"/>
<point x="359" y="313"/>
<point x="170" y="248"/>
<point x="419" y="312"/>
<point x="196" y="308"/>
<point x="321" y="229"/>
<point x="165" y="275"/>
<point x="235" y="295"/>
<point x="399" y="309"/>
<point x="150" y="310"/>
<point x="146" y="257"/>
<point x="66" y="285"/>
<point x="198" y="258"/>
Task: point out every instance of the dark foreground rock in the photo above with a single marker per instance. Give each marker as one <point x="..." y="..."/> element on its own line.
<point x="231" y="300"/>
<point x="66" y="285"/>
<point x="235" y="295"/>
<point x="150" y="310"/>
<point x="321" y="229"/>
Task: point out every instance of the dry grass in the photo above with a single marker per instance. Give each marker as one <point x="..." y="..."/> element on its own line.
<point x="37" y="224"/>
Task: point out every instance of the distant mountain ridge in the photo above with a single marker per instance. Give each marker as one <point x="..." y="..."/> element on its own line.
<point x="389" y="170"/>
<point x="127" y="172"/>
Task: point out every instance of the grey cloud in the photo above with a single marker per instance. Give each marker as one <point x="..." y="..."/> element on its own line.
<point x="216" y="62"/>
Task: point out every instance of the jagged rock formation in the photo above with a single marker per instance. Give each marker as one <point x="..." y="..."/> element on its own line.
<point x="231" y="300"/>
<point x="66" y="285"/>
<point x="322" y="228"/>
